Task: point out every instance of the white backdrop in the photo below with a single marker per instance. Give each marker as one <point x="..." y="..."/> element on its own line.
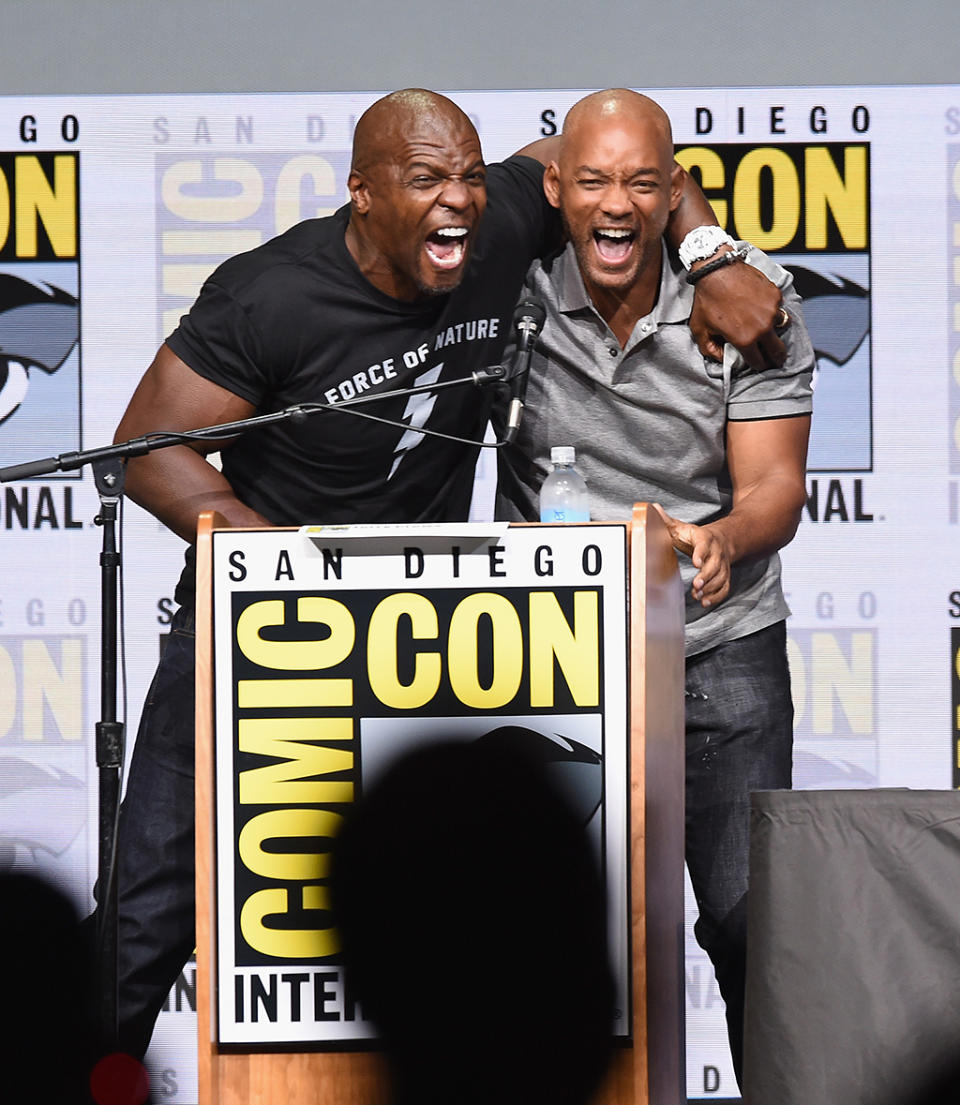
<point x="858" y="188"/>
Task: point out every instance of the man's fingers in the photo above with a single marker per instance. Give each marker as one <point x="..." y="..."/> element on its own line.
<point x="772" y="349"/>
<point x="712" y="349"/>
<point x="709" y="345"/>
<point x="709" y="571"/>
<point x="712" y="582"/>
<point x="713" y="595"/>
<point x="754" y="355"/>
<point x="712" y="591"/>
<point x="681" y="544"/>
<point x="683" y="538"/>
<point x="678" y="531"/>
<point x="670" y="522"/>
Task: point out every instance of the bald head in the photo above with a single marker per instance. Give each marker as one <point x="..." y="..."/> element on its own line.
<point x="617" y="107"/>
<point x="384" y="127"/>
<point x="417" y="188"/>
<point x="616" y="182"/>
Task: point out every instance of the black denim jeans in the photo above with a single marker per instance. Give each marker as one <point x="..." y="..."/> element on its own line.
<point x="155" y="856"/>
<point x="739" y="738"/>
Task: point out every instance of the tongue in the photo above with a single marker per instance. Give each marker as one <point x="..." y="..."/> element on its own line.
<point x="444" y="248"/>
<point x="613" y="250"/>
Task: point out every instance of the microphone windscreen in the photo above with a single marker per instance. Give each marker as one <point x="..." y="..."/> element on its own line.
<point x="531" y="312"/>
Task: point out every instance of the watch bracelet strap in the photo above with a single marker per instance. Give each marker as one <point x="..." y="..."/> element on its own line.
<point x="720" y="262"/>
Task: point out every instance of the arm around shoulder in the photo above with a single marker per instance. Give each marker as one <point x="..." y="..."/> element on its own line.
<point x="734" y="303"/>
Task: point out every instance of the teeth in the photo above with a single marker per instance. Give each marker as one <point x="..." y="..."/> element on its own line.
<point x="616" y="233"/>
<point x="452" y="232"/>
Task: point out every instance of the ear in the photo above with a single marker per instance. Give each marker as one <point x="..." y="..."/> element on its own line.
<point x="551" y="184"/>
<point x="678" y="180"/>
<point x="359" y="192"/>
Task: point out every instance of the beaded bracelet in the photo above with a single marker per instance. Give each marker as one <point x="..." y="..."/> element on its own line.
<point x="717" y="263"/>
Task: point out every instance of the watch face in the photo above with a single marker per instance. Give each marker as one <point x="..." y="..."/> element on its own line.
<point x="702" y="242"/>
<point x="707" y="236"/>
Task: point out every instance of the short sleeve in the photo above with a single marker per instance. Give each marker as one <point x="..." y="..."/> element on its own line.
<point x="218" y="341"/>
<point x="515" y="186"/>
<point x="779" y="392"/>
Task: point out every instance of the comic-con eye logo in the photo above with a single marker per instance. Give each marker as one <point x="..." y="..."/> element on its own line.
<point x="952" y="364"/>
<point x="39" y="327"/>
<point x="40" y="372"/>
<point x="27" y="792"/>
<point x="808" y="205"/>
<point x="836" y="311"/>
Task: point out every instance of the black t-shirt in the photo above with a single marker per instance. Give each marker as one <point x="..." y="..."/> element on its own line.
<point x="294" y="321"/>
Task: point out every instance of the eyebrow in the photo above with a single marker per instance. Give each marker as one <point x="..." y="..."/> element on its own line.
<point x="644" y="171"/>
<point x="433" y="166"/>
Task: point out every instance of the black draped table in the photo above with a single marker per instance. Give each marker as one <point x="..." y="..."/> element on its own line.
<point x="853" y="971"/>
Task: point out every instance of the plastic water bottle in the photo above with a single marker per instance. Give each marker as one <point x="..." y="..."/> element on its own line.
<point x="563" y="495"/>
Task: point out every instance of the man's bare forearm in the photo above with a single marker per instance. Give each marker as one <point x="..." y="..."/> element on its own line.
<point x="693" y="210"/>
<point x="176" y="485"/>
<point x="764" y="520"/>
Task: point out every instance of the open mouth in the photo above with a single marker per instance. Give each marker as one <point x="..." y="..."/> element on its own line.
<point x="614" y="245"/>
<point x="446" y="246"/>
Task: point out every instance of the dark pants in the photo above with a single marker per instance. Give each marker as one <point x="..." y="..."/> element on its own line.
<point x="155" y="857"/>
<point x="739" y="739"/>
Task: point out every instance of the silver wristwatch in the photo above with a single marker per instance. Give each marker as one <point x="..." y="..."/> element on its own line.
<point x="702" y="242"/>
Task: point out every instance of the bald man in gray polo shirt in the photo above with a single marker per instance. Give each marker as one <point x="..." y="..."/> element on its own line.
<point x="720" y="448"/>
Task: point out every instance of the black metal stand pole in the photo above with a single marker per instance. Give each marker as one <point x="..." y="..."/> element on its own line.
<point x="109" y="472"/>
<point x="109" y="477"/>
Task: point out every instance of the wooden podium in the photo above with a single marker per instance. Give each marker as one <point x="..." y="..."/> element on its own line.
<point x="648" y="1066"/>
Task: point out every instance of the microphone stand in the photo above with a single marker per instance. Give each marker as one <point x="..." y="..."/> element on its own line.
<point x="109" y="476"/>
<point x="109" y="472"/>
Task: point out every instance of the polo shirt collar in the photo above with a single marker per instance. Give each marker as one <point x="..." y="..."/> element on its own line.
<point x="674" y="303"/>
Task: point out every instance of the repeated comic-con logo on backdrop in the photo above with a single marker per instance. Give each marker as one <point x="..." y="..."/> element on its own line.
<point x="211" y="206"/>
<point x="809" y="205"/>
<point x="953" y="307"/>
<point x="954" y="610"/>
<point x="42" y="751"/>
<point x="953" y="613"/>
<point x="833" y="679"/>
<point x="40" y="381"/>
<point x="955" y="700"/>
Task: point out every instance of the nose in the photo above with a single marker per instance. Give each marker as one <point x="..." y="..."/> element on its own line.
<point x="455" y="194"/>
<point x="616" y="200"/>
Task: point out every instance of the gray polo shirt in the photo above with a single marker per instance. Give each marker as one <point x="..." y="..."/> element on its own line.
<point x="649" y="422"/>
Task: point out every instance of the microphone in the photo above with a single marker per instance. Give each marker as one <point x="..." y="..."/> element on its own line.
<point x="528" y="321"/>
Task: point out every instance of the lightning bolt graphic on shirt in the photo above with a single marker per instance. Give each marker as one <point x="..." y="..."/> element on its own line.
<point x="415" y="414"/>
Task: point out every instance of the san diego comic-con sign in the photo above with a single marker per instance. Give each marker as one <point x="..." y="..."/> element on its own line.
<point x="338" y="648"/>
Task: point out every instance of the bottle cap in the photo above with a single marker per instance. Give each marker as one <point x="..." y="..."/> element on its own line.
<point x="563" y="454"/>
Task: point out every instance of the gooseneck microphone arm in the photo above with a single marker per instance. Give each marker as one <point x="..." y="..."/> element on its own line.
<point x="109" y="470"/>
<point x="140" y="446"/>
<point x="528" y="321"/>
